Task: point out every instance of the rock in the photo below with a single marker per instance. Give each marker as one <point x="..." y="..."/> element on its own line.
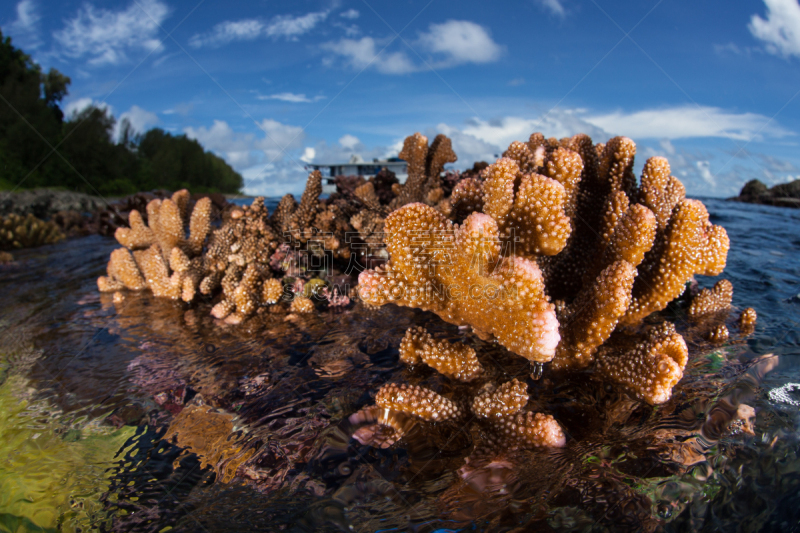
<point x="44" y="203"/>
<point x="781" y="195"/>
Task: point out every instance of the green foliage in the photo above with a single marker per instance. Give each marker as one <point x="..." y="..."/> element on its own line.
<point x="39" y="148"/>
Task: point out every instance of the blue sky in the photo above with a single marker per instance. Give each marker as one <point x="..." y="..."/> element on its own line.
<point x="271" y="86"/>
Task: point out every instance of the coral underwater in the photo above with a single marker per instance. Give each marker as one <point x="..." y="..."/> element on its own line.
<point x="544" y="306"/>
<point x="25" y="232"/>
<point x="567" y="248"/>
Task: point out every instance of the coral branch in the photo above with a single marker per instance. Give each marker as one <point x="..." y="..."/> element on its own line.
<point x="691" y="245"/>
<point x="508" y="302"/>
<point x="709" y="302"/>
<point x="457" y="361"/>
<point x="507" y="399"/>
<point x="650" y="370"/>
<point x="416" y="401"/>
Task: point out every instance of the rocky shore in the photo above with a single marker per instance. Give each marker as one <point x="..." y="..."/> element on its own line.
<point x="44" y="203"/>
<point x="782" y="195"/>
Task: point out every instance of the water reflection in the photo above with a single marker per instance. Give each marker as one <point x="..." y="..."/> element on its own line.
<point x="157" y="415"/>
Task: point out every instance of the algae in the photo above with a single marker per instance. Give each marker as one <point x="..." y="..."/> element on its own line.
<point x="52" y="474"/>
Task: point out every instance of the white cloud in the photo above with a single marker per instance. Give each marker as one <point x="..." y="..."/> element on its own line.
<point x="244" y="150"/>
<point x="225" y="32"/>
<point x="349" y="141"/>
<point x="460" y="41"/>
<point x="250" y="29"/>
<point x="76" y="107"/>
<point x="25" y="28"/>
<point x="781" y="30"/>
<point x="704" y="170"/>
<point x="451" y="43"/>
<point x="350" y="14"/>
<point x="688" y="121"/>
<point x="364" y="52"/>
<point x="140" y="120"/>
<point x="501" y="132"/>
<point x="291" y="97"/>
<point x="554" y="7"/>
<point x="106" y="36"/>
<point x="288" y="26"/>
<point x="309" y="154"/>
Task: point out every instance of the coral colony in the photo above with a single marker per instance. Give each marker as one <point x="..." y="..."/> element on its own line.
<point x="554" y="252"/>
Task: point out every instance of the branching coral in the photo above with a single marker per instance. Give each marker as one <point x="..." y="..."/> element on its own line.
<point x="711" y="301"/>
<point x="25" y="232"/>
<point x="416" y="401"/>
<point x="499" y="408"/>
<point x="164" y="259"/>
<point x="457" y="361"/>
<point x="447" y="269"/>
<point x="652" y="368"/>
<point x="748" y="318"/>
<point x="238" y="260"/>
<point x="563" y="220"/>
<point x="425" y="165"/>
<point x="506" y="400"/>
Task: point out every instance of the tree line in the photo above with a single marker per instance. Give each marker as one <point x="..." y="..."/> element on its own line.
<point x="40" y="147"/>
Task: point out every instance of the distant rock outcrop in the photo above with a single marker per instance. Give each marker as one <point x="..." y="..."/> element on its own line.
<point x="44" y="203"/>
<point x="782" y="195"/>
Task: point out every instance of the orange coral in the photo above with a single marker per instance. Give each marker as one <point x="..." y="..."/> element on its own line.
<point x="532" y="429"/>
<point x="527" y="207"/>
<point x="444" y="268"/>
<point x="708" y="302"/>
<point x="160" y="247"/>
<point x="691" y="245"/>
<point x="507" y="399"/>
<point x="748" y="318"/>
<point x="592" y="317"/>
<point x="652" y="368"/>
<point x="301" y="304"/>
<point x="272" y="290"/>
<point x="457" y="361"/>
<point x="416" y="401"/>
<point x="424" y="167"/>
<point x="719" y="334"/>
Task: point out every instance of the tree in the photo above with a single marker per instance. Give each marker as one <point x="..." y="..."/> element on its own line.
<point x="88" y="158"/>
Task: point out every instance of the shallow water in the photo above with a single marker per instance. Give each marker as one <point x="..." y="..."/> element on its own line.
<point x="147" y="414"/>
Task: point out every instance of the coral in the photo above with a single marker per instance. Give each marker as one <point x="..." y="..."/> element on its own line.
<point x="301" y="304"/>
<point x="719" y="334"/>
<point x="467" y="196"/>
<point x="163" y="259"/>
<point x="299" y="223"/>
<point x="272" y="290"/>
<point x="508" y="303"/>
<point x="747" y="320"/>
<point x="6" y="258"/>
<point x="691" y="245"/>
<point x="590" y="319"/>
<point x="561" y="219"/>
<point x="366" y="193"/>
<point x="506" y="400"/>
<point x="425" y="164"/>
<point x="335" y="299"/>
<point x="239" y="259"/>
<point x="369" y="225"/>
<point x="457" y="361"/>
<point x="712" y="301"/>
<point x="25" y="232"/>
<point x="528" y="208"/>
<point x="652" y="368"/>
<point x="416" y="401"/>
<point x="532" y="429"/>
